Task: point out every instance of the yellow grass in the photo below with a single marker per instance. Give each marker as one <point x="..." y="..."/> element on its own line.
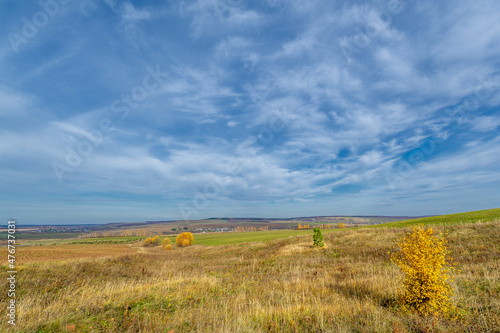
<point x="50" y="253"/>
<point x="283" y="285"/>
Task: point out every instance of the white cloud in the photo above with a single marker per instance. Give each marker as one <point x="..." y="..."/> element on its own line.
<point x="486" y="124"/>
<point x="261" y="96"/>
<point x="130" y="13"/>
<point x="210" y="18"/>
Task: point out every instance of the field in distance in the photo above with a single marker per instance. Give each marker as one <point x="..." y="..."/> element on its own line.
<point x="262" y="281"/>
<point x="54" y="234"/>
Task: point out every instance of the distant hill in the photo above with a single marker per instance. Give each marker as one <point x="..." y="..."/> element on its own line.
<point x="467" y="217"/>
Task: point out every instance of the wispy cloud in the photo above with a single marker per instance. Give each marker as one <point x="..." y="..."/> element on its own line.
<point x="258" y="107"/>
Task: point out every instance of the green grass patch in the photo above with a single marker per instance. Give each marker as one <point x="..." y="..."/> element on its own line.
<point x="486" y="215"/>
<point x="247" y="237"/>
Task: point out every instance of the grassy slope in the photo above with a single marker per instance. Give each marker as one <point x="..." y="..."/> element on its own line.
<point x="468" y="217"/>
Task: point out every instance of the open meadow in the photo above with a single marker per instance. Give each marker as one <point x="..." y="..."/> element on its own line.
<point x="267" y="281"/>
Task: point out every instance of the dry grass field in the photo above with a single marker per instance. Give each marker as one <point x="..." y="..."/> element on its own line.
<point x="64" y="253"/>
<point x="282" y="285"/>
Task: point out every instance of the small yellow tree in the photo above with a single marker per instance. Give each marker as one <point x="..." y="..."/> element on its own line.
<point x="423" y="259"/>
<point x="166" y="244"/>
<point x="184" y="239"/>
<point x="341" y="225"/>
<point x="155" y="240"/>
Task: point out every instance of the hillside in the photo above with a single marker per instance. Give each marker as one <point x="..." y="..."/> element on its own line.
<point x="280" y="285"/>
<point x="486" y="215"/>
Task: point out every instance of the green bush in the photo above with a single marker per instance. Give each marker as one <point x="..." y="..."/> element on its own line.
<point x="318" y="238"/>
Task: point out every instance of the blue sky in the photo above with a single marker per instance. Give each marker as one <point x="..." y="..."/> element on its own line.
<point x="149" y="110"/>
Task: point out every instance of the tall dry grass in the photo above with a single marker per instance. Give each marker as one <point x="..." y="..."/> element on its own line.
<point x="279" y="286"/>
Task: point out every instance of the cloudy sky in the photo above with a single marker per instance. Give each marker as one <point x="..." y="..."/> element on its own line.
<point x="148" y="110"/>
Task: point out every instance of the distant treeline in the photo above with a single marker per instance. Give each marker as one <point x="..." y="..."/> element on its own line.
<point x="125" y="233"/>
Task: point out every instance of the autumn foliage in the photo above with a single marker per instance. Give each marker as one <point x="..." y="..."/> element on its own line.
<point x="423" y="259"/>
<point x="166" y="244"/>
<point x="184" y="239"/>
<point x="154" y="241"/>
<point x="245" y="229"/>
